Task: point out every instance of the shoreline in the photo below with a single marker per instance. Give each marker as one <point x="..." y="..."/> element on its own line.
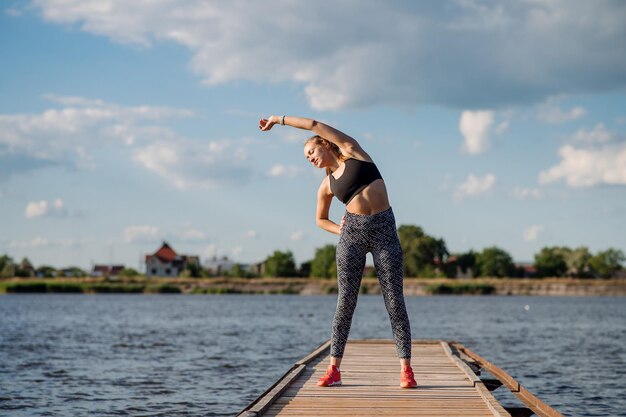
<point x="316" y="286"/>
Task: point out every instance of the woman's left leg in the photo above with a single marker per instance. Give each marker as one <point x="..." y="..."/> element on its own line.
<point x="387" y="254"/>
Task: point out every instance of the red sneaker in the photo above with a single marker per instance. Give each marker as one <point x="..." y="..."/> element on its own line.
<point x="331" y="378"/>
<point x="407" y="379"/>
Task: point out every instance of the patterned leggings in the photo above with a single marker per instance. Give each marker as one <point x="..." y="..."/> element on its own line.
<point x="376" y="234"/>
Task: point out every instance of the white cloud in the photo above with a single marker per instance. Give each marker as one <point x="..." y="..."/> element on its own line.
<point x="293" y="136"/>
<point x="586" y="167"/>
<point x="599" y="134"/>
<point x="43" y="208"/>
<point x="551" y="112"/>
<point x="42" y="242"/>
<point x="475" y="127"/>
<point x="252" y="234"/>
<point x="296" y="236"/>
<point x="34" y="243"/>
<point x="70" y="136"/>
<point x="186" y="164"/>
<point x="528" y="50"/>
<point x="597" y="157"/>
<point x="475" y="186"/>
<point x="288" y="171"/>
<point x="237" y="251"/>
<point x="74" y="100"/>
<point x="36" y="209"/>
<point x="521" y="193"/>
<point x="210" y="251"/>
<point x="141" y="233"/>
<point x="502" y="127"/>
<point x="532" y="233"/>
<point x="191" y="235"/>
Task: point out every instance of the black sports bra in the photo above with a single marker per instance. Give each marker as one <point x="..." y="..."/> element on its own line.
<point x="356" y="176"/>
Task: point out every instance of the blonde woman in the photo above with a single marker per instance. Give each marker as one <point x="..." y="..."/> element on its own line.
<point x="367" y="226"/>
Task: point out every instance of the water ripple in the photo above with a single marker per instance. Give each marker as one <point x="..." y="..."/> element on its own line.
<point x="108" y="355"/>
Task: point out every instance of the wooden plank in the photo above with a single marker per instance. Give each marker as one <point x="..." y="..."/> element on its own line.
<point x="266" y="399"/>
<point x="370" y="375"/>
<point x="447" y="386"/>
<point x="531" y="401"/>
<point x="495" y="407"/>
<point x="462" y="365"/>
<point x="274" y="392"/>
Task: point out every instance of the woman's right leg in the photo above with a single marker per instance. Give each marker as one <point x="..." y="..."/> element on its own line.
<point x="350" y="265"/>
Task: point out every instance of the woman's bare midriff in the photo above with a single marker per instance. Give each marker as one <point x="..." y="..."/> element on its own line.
<point x="371" y="200"/>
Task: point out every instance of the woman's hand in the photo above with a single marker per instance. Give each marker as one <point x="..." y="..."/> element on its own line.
<point x="343" y="221"/>
<point x="266" y="124"/>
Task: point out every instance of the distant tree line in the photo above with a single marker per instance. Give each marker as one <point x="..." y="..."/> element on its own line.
<point x="424" y="256"/>
<point x="9" y="268"/>
<point x="428" y="256"/>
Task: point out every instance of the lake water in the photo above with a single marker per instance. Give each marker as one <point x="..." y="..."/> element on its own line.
<point x="185" y="355"/>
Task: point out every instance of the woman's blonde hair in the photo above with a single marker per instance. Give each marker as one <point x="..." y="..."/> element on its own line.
<point x="318" y="140"/>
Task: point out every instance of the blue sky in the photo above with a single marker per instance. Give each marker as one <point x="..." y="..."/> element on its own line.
<point x="123" y="124"/>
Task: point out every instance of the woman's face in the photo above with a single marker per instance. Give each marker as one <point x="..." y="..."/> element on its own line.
<point x="316" y="154"/>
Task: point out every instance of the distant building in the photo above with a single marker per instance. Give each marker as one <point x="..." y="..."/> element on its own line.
<point x="165" y="262"/>
<point x="255" y="269"/>
<point x="526" y="270"/>
<point x="110" y="271"/>
<point x="218" y="266"/>
<point x="452" y="268"/>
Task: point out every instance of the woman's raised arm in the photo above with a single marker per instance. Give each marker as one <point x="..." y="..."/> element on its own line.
<point x="348" y="146"/>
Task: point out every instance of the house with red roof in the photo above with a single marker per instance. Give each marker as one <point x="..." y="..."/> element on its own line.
<point x="165" y="262"/>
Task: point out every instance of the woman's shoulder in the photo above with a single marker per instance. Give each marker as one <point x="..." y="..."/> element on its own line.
<point x="353" y="159"/>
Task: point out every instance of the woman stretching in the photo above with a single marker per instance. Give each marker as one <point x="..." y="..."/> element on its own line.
<point x="368" y="226"/>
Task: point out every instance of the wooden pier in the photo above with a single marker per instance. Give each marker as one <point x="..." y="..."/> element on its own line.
<point x="446" y="374"/>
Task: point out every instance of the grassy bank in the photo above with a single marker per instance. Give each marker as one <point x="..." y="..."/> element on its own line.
<point x="304" y="286"/>
<point x="86" y="288"/>
<point x="464" y="288"/>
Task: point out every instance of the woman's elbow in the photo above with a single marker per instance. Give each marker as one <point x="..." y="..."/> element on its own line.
<point x="317" y="127"/>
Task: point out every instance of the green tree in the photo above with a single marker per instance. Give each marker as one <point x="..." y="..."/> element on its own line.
<point x="194" y="270"/>
<point x="73" y="271"/>
<point x="464" y="261"/>
<point x="7" y="267"/>
<point x="47" y="271"/>
<point x="551" y="261"/>
<point x="324" y="264"/>
<point x="129" y="272"/>
<point x="305" y="269"/>
<point x="607" y="263"/>
<point x="578" y="263"/>
<point x="495" y="262"/>
<point x="422" y="253"/>
<point x="238" y="271"/>
<point x="409" y="240"/>
<point x="24" y="269"/>
<point x="280" y="264"/>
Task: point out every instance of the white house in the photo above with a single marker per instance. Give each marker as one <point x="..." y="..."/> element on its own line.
<point x="218" y="266"/>
<point x="167" y="263"/>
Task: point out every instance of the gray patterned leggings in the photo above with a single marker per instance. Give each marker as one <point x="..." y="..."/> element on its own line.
<point x="376" y="234"/>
